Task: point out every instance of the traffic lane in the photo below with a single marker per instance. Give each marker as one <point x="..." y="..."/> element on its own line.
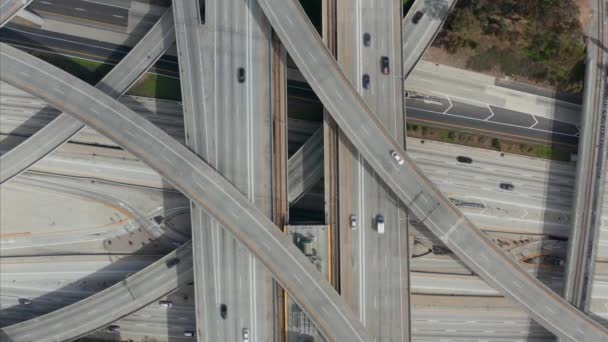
<point x="511" y="117"/>
<point x="516" y="133"/>
<point x="489" y="113"/>
<point x="89" y="10"/>
<point x="68" y="45"/>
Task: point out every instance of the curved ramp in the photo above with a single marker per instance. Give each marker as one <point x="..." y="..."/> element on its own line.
<point x="115" y="83"/>
<point x="117" y="301"/>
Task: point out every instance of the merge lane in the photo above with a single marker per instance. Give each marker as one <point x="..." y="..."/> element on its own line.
<point x="412" y="187"/>
<point x="194" y="178"/>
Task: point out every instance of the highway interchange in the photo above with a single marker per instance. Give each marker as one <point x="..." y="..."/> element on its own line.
<point x="523" y="208"/>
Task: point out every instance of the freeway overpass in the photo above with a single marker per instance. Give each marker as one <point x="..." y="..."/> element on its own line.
<point x="423" y="200"/>
<point x="160" y="37"/>
<point x="195" y="179"/>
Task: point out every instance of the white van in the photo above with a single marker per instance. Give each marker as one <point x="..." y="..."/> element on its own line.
<point x="380" y="224"/>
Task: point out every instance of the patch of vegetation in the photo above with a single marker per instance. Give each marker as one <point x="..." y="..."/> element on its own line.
<point x="161" y="87"/>
<point x="150" y="85"/>
<point x="87" y="70"/>
<point x="407" y="4"/>
<point x="541" y="40"/>
<point x="491" y="143"/>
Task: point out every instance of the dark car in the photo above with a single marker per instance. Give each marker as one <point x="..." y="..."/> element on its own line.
<point x="241" y="75"/>
<point x="366" y="81"/>
<point x="463" y="159"/>
<point x="439" y="250"/>
<point x="367" y="39"/>
<point x="172" y="262"/>
<point x="114" y="328"/>
<point x="417" y="16"/>
<point x="25" y="301"/>
<point x="506" y="186"/>
<point x="224" y="311"/>
<point x="384" y="65"/>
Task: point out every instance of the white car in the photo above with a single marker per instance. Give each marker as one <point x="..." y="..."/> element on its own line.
<point x="353" y="222"/>
<point x="397" y="157"/>
<point x="165" y="303"/>
<point x="245" y="335"/>
<point x="380" y="224"/>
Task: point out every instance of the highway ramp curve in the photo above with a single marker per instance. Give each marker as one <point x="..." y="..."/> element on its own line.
<point x="117" y="301"/>
<point x="147" y="51"/>
<point x="195" y="179"/>
<point x="423" y="200"/>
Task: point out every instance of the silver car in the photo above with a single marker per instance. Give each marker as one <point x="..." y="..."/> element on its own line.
<point x="353" y="222"/>
<point x="397" y="157"/>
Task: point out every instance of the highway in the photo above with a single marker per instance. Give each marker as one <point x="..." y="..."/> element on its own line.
<point x="36" y="39"/>
<point x="114" y="13"/>
<point x="22" y="115"/>
<point x="195" y="179"/>
<point x="478" y="117"/>
<point x="539" y="203"/>
<point x="9" y="8"/>
<point x="418" y="36"/>
<point x="485" y="90"/>
<point x="591" y="172"/>
<point x="115" y="83"/>
<point x="373" y="267"/>
<point x="424" y="201"/>
<point x="229" y="127"/>
<point x="99" y="310"/>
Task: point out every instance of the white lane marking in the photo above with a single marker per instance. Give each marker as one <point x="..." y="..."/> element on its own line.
<point x="297" y="278"/>
<point x="535" y="121"/>
<point x="117" y="16"/>
<point x="80" y="9"/>
<point x="24" y="74"/>
<point x="312" y="56"/>
<point x="59" y="90"/>
<point x="289" y="19"/>
<point x="491" y="115"/>
<point x="46" y="3"/>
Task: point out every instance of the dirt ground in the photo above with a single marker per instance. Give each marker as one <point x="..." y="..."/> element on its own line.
<point x="441" y="56"/>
